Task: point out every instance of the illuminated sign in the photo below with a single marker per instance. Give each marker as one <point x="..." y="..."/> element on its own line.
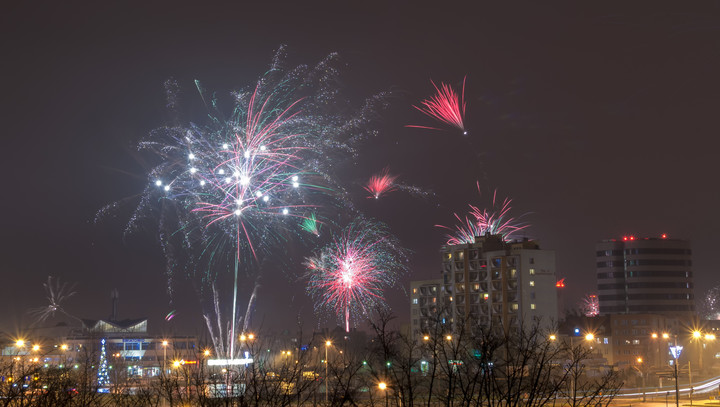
<point x="229" y="362"/>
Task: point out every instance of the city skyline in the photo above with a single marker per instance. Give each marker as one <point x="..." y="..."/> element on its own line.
<point x="597" y="122"/>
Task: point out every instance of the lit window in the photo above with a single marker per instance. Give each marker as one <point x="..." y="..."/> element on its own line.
<point x="532" y="272"/>
<point x="515" y="306"/>
<point x="415" y="301"/>
<point x="532" y="283"/>
<point x="532" y="306"/>
<point x="450" y="298"/>
<point x="414" y="290"/>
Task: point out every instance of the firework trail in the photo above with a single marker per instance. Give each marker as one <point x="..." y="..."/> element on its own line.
<point x="348" y="276"/>
<point x="590" y="306"/>
<point x="226" y="193"/>
<point x="380" y="184"/>
<point x="383" y="183"/>
<point x="479" y="222"/>
<point x="445" y="106"/>
<point x="56" y="293"/>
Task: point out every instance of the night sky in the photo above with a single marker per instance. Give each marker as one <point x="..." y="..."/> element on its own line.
<point x="597" y="121"/>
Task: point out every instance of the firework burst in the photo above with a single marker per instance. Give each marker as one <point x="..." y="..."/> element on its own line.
<point x="445" y="106"/>
<point x="226" y="193"/>
<point x="310" y="224"/>
<point x="710" y="304"/>
<point x="590" y="306"/>
<point x="348" y="277"/>
<point x="380" y="184"/>
<point x="56" y="293"/>
<point x="494" y="221"/>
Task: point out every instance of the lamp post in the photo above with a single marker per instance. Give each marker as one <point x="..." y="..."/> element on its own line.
<point x="675" y="351"/>
<point x="327" y="362"/>
<point x="383" y="386"/>
<point x="164" y="344"/>
<point x="642" y="374"/>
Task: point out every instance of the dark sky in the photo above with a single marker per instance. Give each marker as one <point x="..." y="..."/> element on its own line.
<point x="601" y="121"/>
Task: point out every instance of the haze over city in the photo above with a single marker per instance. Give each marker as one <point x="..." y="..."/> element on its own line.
<point x="598" y="121"/>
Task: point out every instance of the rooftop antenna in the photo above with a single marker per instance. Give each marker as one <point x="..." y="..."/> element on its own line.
<point x="115" y="296"/>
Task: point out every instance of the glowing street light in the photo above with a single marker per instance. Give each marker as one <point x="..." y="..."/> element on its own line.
<point x="164" y="344"/>
<point x="327" y="362"/>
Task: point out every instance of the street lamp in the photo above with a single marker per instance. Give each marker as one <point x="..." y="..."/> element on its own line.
<point x="164" y="344"/>
<point x="327" y="345"/>
<point x="642" y="374"/>
<point x="383" y="386"/>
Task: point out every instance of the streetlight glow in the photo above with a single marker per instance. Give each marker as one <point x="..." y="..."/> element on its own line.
<point x="589" y="337"/>
<point x="382" y="386"/>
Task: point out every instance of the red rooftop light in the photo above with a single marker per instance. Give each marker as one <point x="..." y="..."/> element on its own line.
<point x="632" y="237"/>
<point x="664" y="236"/>
<point x="560" y="284"/>
<point x="625" y="238"/>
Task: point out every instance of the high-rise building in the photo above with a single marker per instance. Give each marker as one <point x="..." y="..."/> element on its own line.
<point x="490" y="281"/>
<point x="645" y="276"/>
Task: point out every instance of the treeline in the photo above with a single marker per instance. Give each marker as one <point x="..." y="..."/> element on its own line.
<point x="472" y="366"/>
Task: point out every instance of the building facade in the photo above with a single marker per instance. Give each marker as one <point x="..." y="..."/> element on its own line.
<point x="493" y="282"/>
<point x="645" y="275"/>
<point x="424" y="305"/>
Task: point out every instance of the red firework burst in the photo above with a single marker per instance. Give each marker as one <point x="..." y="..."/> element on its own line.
<point x="445" y="106"/>
<point x="380" y="184"/>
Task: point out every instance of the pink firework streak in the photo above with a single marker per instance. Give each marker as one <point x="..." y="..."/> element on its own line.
<point x="348" y="276"/>
<point x="445" y="106"/>
<point x="494" y="221"/>
<point x="380" y="184"/>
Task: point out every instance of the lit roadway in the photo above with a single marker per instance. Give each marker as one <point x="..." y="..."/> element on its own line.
<point x="704" y="387"/>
